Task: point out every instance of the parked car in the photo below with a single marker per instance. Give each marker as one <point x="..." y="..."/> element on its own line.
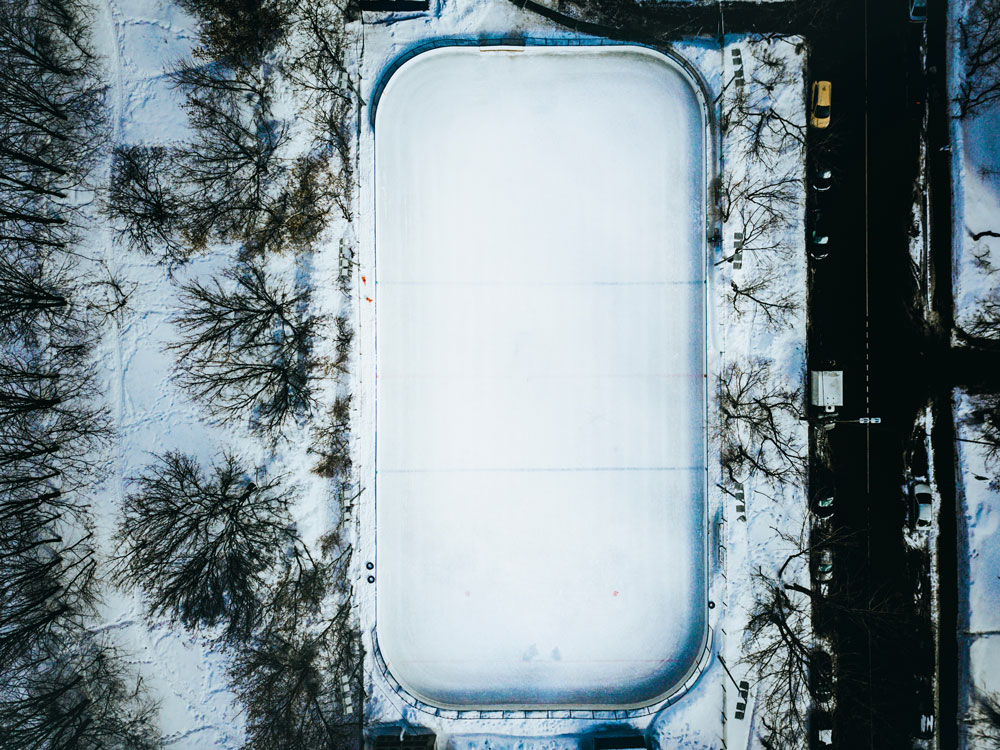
<point x="918" y="11"/>
<point x="822" y="559"/>
<point x="820" y="103"/>
<point x="819" y="232"/>
<point x="821" y="502"/>
<point x="822" y="179"/>
<point x="921" y="506"/>
<point x="821" y="675"/>
<point x="820" y="730"/>
<point x="819" y="251"/>
<point x="819" y="237"/>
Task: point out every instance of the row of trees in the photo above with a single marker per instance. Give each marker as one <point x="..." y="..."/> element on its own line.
<point x="780" y="642"/>
<point x="219" y="549"/>
<point x="758" y="195"/>
<point x="63" y="684"/>
<point x="759" y="423"/>
<point x="216" y="548"/>
<point x="246" y="347"/>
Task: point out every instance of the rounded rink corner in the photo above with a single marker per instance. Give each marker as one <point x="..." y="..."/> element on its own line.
<point x="540" y="407"/>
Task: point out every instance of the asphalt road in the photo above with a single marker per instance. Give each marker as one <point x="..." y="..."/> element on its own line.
<point x="865" y="318"/>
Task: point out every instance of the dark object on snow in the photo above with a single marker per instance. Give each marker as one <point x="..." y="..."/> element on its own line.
<point x="616" y="741"/>
<point x="404" y="740"/>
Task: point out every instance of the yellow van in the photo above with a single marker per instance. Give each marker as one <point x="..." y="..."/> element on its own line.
<point x="819" y="109"/>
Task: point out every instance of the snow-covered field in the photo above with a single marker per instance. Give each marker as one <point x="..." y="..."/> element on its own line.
<point x="540" y="295"/>
<point x="609" y="564"/>
<point x="979" y="601"/>
<point x="976" y="209"/>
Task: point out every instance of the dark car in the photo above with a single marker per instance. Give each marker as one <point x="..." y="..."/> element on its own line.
<point x="822" y="499"/>
<point x="818" y="233"/>
<point x="822" y="179"/>
<point x="821" y="675"/>
<point x="822" y="564"/>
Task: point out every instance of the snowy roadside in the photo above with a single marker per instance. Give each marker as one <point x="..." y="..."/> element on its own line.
<point x="979" y="560"/>
<point x="976" y="261"/>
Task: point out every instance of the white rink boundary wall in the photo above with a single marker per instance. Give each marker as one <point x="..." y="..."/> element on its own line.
<point x="384" y="685"/>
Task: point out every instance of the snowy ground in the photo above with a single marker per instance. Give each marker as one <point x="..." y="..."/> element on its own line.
<point x="979" y="600"/>
<point x="541" y="377"/>
<point x="183" y="670"/>
<point x="976" y="208"/>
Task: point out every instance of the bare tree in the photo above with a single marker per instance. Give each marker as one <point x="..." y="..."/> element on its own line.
<point x="230" y="169"/>
<point x="983" y="327"/>
<point x="756" y="292"/>
<point x="298" y="214"/>
<point x="318" y="63"/>
<point x="979" y="36"/>
<point x="141" y="197"/>
<point x="302" y="688"/>
<point x="763" y="209"/>
<point x="246" y="350"/>
<point x="778" y="646"/>
<point x="982" y="723"/>
<point x="239" y="33"/>
<point x="32" y="297"/>
<point x="984" y="418"/>
<point x="51" y="104"/>
<point x="76" y="696"/>
<point x="201" y="547"/>
<point x="756" y="120"/>
<point x="318" y="66"/>
<point x="757" y="417"/>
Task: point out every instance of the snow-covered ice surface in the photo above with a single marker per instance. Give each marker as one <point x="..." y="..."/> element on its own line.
<point x="541" y="376"/>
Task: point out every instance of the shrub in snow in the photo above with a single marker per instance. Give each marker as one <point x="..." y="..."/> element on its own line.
<point x="332" y="441"/>
<point x="202" y="546"/>
<point x="246" y="349"/>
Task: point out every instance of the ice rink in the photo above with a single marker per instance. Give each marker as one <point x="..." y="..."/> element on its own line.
<point x="540" y="430"/>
